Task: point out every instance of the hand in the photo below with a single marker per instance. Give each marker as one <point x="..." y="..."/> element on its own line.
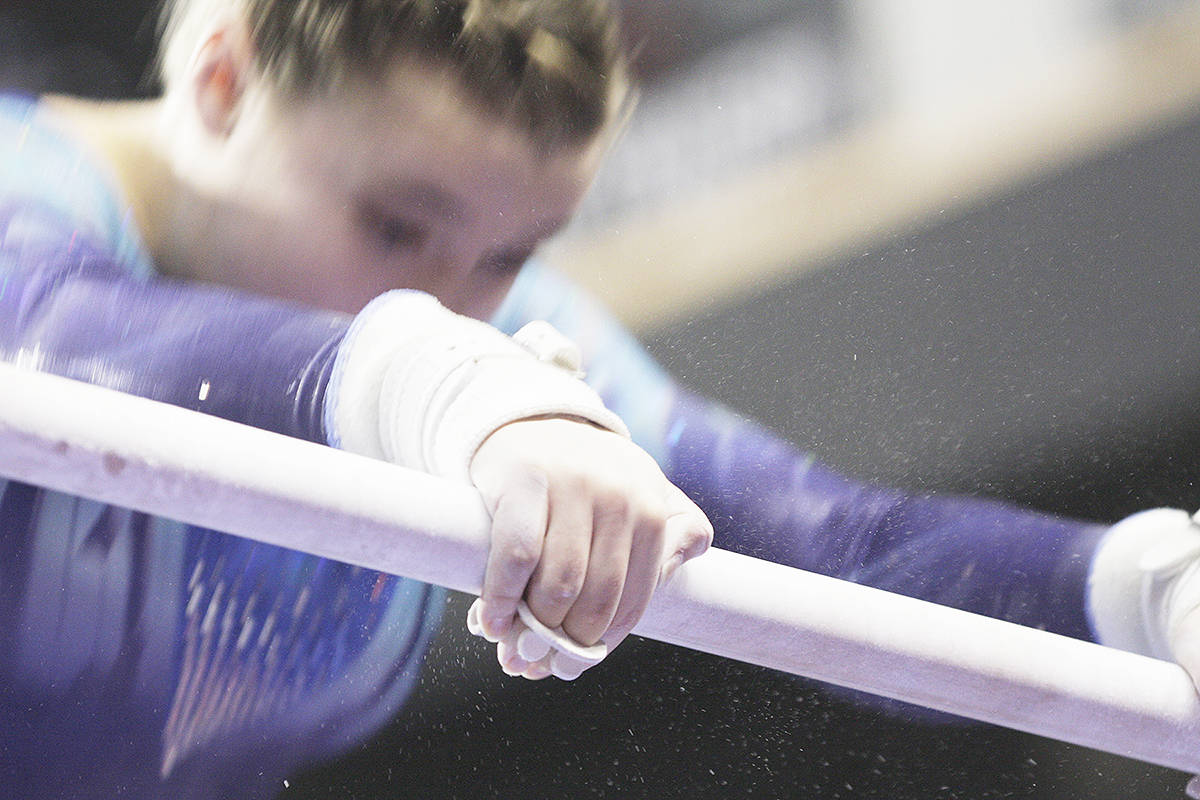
<point x="1185" y="643"/>
<point x="584" y="528"/>
<point x="1171" y="597"/>
<point x="1185" y="647"/>
<point x="557" y="652"/>
<point x="1144" y="590"/>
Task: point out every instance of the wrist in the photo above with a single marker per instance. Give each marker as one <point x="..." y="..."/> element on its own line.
<point x="420" y="386"/>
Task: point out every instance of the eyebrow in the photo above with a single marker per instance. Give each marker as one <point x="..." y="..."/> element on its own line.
<point x="428" y="197"/>
<point x="432" y="198"/>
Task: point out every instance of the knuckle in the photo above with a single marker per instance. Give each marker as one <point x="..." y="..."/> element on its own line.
<point x="652" y="529"/>
<point x="531" y="478"/>
<point x="655" y="519"/>
<point x="698" y="542"/>
<point x="565" y="585"/>
<point x="570" y="482"/>
<point x="523" y="553"/>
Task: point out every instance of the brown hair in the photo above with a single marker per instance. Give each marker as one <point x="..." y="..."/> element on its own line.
<point x="553" y="68"/>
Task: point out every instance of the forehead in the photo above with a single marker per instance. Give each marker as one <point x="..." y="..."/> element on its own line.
<point x="415" y="127"/>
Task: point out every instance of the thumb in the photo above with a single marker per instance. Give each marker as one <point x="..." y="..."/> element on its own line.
<point x="688" y="534"/>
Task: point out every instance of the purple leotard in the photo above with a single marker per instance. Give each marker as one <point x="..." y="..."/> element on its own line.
<point x="158" y="660"/>
<point x="153" y="659"/>
<point x="770" y="500"/>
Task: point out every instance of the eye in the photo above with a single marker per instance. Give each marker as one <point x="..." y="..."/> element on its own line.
<point x="507" y="262"/>
<point x="391" y="232"/>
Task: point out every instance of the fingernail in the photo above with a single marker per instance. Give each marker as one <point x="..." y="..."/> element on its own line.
<point x="476" y="626"/>
<point x="566" y="674"/>
<point x="510" y="661"/>
<point x="537" y="672"/>
<point x="497" y="626"/>
<point x="532" y="647"/>
<point x="473" y="624"/>
<point x="564" y="668"/>
<point x="514" y="668"/>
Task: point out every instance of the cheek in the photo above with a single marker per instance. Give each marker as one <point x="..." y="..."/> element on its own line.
<point x="333" y="263"/>
<point x="480" y="296"/>
<point x="316" y="264"/>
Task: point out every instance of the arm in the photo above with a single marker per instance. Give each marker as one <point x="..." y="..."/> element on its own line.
<point x="66" y="308"/>
<point x="975" y="554"/>
<point x="405" y="381"/>
<point x="771" y="500"/>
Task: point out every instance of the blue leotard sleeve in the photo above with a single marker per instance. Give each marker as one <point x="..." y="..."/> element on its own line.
<point x="772" y="500"/>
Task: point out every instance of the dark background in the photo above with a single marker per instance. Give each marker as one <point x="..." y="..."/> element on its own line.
<point x="1041" y="347"/>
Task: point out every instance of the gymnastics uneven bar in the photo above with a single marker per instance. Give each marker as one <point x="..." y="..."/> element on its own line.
<point x="136" y="453"/>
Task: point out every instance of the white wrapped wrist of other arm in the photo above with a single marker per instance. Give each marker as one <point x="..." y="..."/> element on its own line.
<point x="1144" y="578"/>
<point x="421" y="386"/>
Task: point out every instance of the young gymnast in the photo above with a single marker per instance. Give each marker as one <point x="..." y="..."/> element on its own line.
<point x="269" y="242"/>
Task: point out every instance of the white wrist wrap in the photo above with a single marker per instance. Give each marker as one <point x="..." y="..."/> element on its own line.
<point x="1144" y="578"/>
<point x="418" y="385"/>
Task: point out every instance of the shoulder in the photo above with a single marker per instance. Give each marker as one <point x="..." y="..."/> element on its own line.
<point x="51" y="188"/>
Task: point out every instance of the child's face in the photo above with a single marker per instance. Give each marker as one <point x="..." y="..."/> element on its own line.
<point x="397" y="185"/>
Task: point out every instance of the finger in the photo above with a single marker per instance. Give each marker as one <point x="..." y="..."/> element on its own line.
<point x="566" y="668"/>
<point x="517" y="664"/>
<point x="558" y="639"/>
<point x="538" y="671"/>
<point x="608" y="562"/>
<point x="473" y="623"/>
<point x="559" y="577"/>
<point x="531" y="646"/>
<point x="689" y="534"/>
<point x="641" y="580"/>
<point x="1185" y="644"/>
<point x="506" y="653"/>
<point x="518" y="530"/>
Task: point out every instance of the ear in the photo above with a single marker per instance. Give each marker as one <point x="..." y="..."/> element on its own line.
<point x="221" y="71"/>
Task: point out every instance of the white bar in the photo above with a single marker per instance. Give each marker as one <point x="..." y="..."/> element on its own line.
<point x="164" y="460"/>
